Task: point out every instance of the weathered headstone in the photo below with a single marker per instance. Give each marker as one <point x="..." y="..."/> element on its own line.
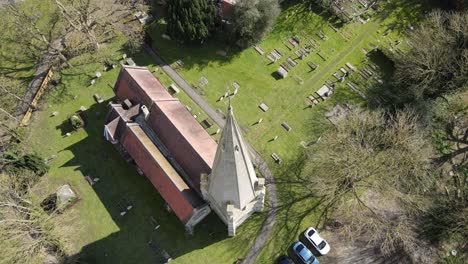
<point x="98" y="98"/>
<point x="264" y="107"/>
<point x="65" y="195"/>
<point x="203" y="81"/>
<point x="286" y="126"/>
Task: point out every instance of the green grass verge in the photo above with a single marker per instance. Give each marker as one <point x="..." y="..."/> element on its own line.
<point x="93" y="226"/>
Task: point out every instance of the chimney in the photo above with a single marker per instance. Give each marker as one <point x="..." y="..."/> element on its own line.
<point x="145" y="111"/>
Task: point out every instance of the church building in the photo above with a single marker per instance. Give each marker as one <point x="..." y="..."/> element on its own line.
<point x="191" y="172"/>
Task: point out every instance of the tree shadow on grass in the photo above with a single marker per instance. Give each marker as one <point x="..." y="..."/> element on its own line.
<point x="210" y="52"/>
<point x="405" y="13"/>
<point x="139" y="240"/>
<point x="293" y="18"/>
<point x="297" y="203"/>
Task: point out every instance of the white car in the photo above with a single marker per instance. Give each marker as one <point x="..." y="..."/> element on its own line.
<point x="317" y="241"/>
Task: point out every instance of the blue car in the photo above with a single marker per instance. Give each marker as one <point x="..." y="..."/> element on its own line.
<point x="304" y="254"/>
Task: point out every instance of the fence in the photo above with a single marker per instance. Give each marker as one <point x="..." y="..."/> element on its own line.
<point x="35" y="101"/>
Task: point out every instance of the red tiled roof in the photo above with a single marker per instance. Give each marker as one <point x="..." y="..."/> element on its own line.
<point x="140" y="86"/>
<point x="190" y="129"/>
<point x="187" y="141"/>
<point x="227" y="8"/>
<point x="159" y="171"/>
<point x="180" y="132"/>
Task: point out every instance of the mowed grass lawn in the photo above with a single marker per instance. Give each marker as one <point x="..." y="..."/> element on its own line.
<point x="93" y="227"/>
<point x="287" y="98"/>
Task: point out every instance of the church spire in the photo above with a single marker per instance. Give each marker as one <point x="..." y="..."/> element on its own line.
<point x="233" y="176"/>
<point x="232" y="188"/>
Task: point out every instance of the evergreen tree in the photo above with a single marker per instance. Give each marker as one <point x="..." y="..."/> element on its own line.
<point x="253" y="19"/>
<point x="191" y="21"/>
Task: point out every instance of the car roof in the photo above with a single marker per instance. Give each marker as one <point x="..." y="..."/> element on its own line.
<point x="284" y="260"/>
<point x="315" y="237"/>
<point x="302" y="250"/>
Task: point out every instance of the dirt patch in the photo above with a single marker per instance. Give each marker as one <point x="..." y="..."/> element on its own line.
<point x="357" y="251"/>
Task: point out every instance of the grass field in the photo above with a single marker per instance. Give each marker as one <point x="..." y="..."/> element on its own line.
<point x="94" y="222"/>
<point x="286" y="98"/>
<point x="93" y="228"/>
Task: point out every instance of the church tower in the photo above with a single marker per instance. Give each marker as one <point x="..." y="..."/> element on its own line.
<point x="232" y="189"/>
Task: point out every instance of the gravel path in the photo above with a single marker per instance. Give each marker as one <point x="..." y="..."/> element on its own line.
<point x="272" y="198"/>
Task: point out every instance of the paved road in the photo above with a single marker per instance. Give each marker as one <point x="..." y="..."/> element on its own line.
<point x="272" y="198"/>
<point x="272" y="205"/>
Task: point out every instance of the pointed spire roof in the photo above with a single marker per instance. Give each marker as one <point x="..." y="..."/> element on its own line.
<point x="233" y="178"/>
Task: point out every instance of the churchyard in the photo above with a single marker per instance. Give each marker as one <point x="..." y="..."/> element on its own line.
<point x="329" y="47"/>
<point x="291" y="124"/>
<point x="95" y="223"/>
<point x="95" y="228"/>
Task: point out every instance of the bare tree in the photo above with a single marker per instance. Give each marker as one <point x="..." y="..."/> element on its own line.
<point x="372" y="172"/>
<point x="97" y="20"/>
<point x="437" y="63"/>
<point x="28" y="29"/>
<point x="26" y="232"/>
<point x="447" y="218"/>
<point x="9" y="90"/>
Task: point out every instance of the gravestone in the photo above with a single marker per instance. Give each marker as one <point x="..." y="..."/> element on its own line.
<point x="264" y="107"/>
<point x="286" y="126"/>
<point x="203" y="81"/>
<point x="98" y="98"/>
<point x="276" y="158"/>
<point x="65" y="195"/>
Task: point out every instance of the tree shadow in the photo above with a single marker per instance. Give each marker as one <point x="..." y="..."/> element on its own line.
<point x="139" y="237"/>
<point x="297" y="202"/>
<point x="216" y="50"/>
<point x="406" y="13"/>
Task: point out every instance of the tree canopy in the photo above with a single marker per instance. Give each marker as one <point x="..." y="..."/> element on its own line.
<point x="191" y="21"/>
<point x="437" y="63"/>
<point x="252" y="20"/>
<point x="372" y="169"/>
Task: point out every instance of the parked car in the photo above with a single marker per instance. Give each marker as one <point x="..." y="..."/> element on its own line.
<point x="304" y="254"/>
<point x="284" y="260"/>
<point x="317" y="241"/>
